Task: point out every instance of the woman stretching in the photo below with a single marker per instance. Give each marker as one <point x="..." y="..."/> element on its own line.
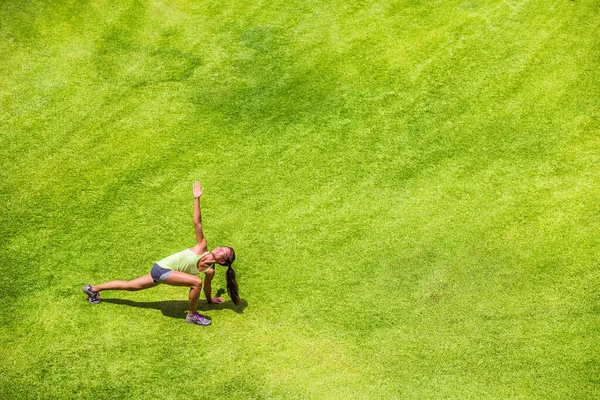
<point x="181" y="269"/>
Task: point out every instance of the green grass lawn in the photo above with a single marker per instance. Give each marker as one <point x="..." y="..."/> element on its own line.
<point x="412" y="189"/>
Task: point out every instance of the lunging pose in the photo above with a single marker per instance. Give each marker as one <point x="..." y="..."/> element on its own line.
<point x="182" y="269"/>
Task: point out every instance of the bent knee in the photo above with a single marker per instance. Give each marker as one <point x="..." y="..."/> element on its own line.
<point x="197" y="283"/>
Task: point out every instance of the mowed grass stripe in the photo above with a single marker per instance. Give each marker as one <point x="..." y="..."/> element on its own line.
<point x="410" y="188"/>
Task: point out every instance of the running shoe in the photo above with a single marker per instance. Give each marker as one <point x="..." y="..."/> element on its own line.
<point x="197" y="319"/>
<point x="93" y="297"/>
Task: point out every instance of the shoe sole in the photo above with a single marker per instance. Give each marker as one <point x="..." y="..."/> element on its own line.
<point x="190" y="322"/>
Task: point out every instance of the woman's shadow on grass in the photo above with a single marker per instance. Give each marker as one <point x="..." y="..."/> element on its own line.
<point x="179" y="308"/>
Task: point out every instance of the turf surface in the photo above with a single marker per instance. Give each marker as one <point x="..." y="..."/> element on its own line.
<point x="411" y="188"/>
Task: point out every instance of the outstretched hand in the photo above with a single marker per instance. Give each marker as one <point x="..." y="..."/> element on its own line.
<point x="217" y="300"/>
<point x="198" y="190"/>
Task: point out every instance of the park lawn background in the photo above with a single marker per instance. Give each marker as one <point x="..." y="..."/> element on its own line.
<point x="412" y="190"/>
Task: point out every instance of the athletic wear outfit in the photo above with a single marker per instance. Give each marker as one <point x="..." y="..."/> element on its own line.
<point x="184" y="261"/>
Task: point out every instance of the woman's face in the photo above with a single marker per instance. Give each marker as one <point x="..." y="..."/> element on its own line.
<point x="221" y="254"/>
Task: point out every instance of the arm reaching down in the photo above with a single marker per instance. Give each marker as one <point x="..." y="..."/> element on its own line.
<point x="208" y="277"/>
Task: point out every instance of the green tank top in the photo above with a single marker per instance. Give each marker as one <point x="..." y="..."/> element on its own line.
<point x="184" y="261"/>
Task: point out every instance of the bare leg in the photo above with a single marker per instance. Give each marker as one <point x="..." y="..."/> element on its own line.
<point x="178" y="278"/>
<point x="143" y="282"/>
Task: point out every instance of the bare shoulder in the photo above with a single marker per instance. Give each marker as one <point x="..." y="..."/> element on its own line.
<point x="199" y="249"/>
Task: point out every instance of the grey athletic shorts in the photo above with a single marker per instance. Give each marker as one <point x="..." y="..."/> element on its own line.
<point x="159" y="274"/>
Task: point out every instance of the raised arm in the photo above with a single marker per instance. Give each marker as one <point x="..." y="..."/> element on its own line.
<point x="198" y="190"/>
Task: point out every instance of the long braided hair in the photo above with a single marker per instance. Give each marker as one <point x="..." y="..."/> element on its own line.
<point x="232" y="286"/>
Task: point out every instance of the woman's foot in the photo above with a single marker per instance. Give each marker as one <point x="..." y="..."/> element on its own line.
<point x="93" y="297"/>
<point x="197" y="319"/>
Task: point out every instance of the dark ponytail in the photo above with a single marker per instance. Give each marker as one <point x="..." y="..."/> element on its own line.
<point x="232" y="286"/>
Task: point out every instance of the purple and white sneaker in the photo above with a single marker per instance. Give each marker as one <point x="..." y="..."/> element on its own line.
<point x="93" y="297"/>
<point x="197" y="319"/>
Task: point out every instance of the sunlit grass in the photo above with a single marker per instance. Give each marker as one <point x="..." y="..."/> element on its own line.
<point x="411" y="189"/>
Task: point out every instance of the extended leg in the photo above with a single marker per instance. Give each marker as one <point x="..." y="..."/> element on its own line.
<point x="143" y="282"/>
